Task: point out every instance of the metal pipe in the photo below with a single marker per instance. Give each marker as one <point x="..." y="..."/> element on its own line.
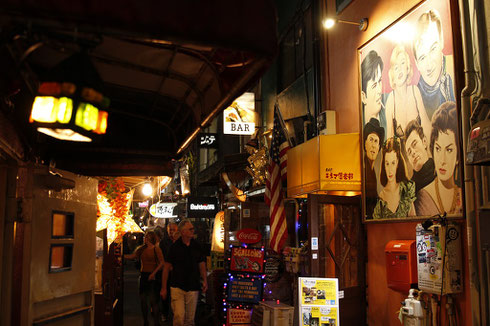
<point x="470" y="86"/>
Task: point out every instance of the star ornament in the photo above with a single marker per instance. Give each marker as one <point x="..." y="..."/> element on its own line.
<point x="114" y="216"/>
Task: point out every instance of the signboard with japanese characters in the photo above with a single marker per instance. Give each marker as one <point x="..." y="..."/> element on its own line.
<point x="163" y="210"/>
<point x="208" y="140"/>
<point x="318" y="301"/>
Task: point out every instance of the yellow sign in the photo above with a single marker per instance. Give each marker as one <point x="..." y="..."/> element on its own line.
<point x="318" y="301"/>
<point x="325" y="163"/>
<point x="218" y="241"/>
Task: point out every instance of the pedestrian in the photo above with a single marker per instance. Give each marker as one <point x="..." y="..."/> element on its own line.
<point x="165" y="243"/>
<point x="152" y="262"/>
<point x="187" y="262"/>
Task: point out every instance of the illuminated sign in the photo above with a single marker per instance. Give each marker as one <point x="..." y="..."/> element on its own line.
<point x="239" y="117"/>
<point x="163" y="210"/>
<point x="218" y="240"/>
<point x="202" y="207"/>
<point x="208" y="141"/>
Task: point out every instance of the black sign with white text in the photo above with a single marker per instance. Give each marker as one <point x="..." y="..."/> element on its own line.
<point x="202" y="207"/>
<point x="208" y="140"/>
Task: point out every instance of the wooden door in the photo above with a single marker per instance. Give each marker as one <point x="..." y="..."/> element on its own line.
<point x="336" y="222"/>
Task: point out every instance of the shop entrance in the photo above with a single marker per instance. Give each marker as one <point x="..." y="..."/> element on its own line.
<point x="336" y="222"/>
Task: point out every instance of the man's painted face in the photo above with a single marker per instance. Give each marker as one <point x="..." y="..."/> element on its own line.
<point x="372" y="146"/>
<point x="445" y="155"/>
<point x="372" y="97"/>
<point x="416" y="151"/>
<point x="429" y="55"/>
<point x="391" y="165"/>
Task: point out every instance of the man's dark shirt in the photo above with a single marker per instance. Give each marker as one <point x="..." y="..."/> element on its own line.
<point x="165" y="246"/>
<point x="185" y="262"/>
<point x="425" y="176"/>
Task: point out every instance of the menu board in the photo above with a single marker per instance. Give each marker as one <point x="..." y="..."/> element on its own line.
<point x="239" y="317"/>
<point x="319" y="301"/>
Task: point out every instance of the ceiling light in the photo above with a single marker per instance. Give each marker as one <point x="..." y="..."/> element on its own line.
<point x="147" y="189"/>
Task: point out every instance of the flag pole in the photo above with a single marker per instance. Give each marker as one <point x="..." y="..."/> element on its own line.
<point x="283" y="124"/>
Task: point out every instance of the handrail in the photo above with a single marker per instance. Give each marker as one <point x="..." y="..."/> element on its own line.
<point x="62" y="315"/>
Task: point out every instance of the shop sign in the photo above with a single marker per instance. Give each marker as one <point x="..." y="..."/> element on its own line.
<point x="274" y="267"/>
<point x="163" y="210"/>
<point x="249" y="236"/>
<point x="218" y="241"/>
<point x="202" y="207"/>
<point x="239" y="117"/>
<point x="243" y="289"/>
<point x="208" y="140"/>
<point x="239" y="316"/>
<point x="143" y="203"/>
<point x="247" y="260"/>
<point x="318" y="301"/>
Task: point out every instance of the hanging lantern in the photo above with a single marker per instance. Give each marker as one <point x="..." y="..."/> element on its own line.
<point x="68" y="107"/>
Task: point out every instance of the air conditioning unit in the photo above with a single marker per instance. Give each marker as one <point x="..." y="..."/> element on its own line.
<point x="327" y="122"/>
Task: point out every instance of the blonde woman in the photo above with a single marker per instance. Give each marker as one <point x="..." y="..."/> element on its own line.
<point x="152" y="262"/>
<point x="404" y="103"/>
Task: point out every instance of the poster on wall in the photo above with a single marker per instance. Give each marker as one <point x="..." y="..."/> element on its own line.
<point x="244" y="289"/>
<point x="409" y="115"/>
<point x="247" y="260"/>
<point x="318" y="301"/>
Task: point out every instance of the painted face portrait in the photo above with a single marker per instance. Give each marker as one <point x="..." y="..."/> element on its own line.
<point x="391" y="164"/>
<point x="429" y="56"/>
<point x="372" y="97"/>
<point x="372" y="146"/>
<point x="416" y="151"/>
<point x="445" y="155"/>
<point x="400" y="68"/>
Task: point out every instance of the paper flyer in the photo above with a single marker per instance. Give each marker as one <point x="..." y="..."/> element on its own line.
<point x="319" y="302"/>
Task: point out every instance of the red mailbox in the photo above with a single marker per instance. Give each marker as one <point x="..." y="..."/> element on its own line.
<point x="401" y="265"/>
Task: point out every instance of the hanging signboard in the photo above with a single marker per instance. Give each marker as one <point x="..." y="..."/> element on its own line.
<point x="239" y="117"/>
<point x="243" y="289"/>
<point x="318" y="301"/>
<point x="202" y="207"/>
<point x="247" y="260"/>
<point x="208" y="140"/>
<point x="163" y="210"/>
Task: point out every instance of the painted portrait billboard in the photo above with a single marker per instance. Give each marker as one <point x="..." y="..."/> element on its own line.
<point x="409" y="116"/>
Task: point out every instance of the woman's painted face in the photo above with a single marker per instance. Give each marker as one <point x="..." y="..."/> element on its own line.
<point x="400" y="70"/>
<point x="445" y="155"/>
<point x="391" y="164"/>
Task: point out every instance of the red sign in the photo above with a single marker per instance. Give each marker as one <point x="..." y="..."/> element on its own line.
<point x="239" y="316"/>
<point x="249" y="236"/>
<point x="247" y="260"/>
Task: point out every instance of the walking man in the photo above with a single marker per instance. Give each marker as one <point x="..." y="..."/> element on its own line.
<point x="187" y="261"/>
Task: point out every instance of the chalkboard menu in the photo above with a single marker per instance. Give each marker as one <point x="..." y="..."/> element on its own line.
<point x="274" y="268"/>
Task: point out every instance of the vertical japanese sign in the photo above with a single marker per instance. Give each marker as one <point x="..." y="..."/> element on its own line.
<point x="318" y="301"/>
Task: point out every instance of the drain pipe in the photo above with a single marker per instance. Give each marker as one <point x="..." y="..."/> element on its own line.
<point x="470" y="86"/>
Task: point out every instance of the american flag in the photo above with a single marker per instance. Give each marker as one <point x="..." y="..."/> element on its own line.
<point x="273" y="190"/>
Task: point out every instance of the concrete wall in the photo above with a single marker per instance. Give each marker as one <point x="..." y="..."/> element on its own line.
<point x="58" y="292"/>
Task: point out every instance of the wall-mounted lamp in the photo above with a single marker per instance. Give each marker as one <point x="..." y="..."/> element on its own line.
<point x="330" y="22"/>
<point x="67" y="106"/>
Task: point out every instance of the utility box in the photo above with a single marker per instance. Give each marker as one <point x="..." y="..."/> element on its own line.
<point x="439" y="259"/>
<point x="401" y="265"/>
<point x="272" y="313"/>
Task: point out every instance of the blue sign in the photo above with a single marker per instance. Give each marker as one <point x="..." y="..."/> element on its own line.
<point x="245" y="289"/>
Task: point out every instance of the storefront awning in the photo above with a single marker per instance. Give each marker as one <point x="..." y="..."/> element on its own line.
<point x="325" y="164"/>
